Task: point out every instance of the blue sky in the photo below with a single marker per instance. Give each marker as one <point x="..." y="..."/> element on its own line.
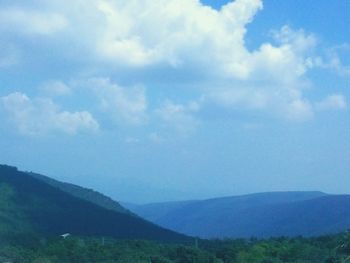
<point x="169" y="100"/>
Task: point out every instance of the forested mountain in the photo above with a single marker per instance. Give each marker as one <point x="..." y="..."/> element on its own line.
<point x="83" y="193"/>
<point x="258" y="215"/>
<point x="29" y="206"/>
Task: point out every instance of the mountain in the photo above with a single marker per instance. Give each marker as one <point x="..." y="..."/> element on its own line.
<point x="155" y="211"/>
<point x="259" y="215"/>
<point x="83" y="193"/>
<point x="31" y="206"/>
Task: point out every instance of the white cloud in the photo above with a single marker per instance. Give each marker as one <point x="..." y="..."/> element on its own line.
<point x="206" y="45"/>
<point x="31" y="22"/>
<point x="337" y="65"/>
<point x="41" y="116"/>
<point x="124" y="104"/>
<point x="332" y="102"/>
<point x="300" y="41"/>
<point x="272" y="79"/>
<point x="189" y="34"/>
<point x="178" y="117"/>
<point x="334" y="61"/>
<point x="176" y="32"/>
<point x="299" y="110"/>
<point x="55" y="88"/>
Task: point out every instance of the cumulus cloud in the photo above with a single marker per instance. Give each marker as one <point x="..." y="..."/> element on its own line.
<point x="176" y="32"/>
<point x="124" y="104"/>
<point x="41" y="116"/>
<point x="188" y="34"/>
<point x="206" y="45"/>
<point x="332" y="102"/>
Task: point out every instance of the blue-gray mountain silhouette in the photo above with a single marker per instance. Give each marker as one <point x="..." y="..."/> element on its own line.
<point x="258" y="215"/>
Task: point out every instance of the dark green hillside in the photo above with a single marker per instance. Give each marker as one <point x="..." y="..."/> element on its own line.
<point x="83" y="193"/>
<point x="324" y="249"/>
<point x="30" y="205"/>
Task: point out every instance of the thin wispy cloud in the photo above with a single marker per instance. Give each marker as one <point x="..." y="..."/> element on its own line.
<point x="41" y="115"/>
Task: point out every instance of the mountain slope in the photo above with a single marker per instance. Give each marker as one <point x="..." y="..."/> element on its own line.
<point x="83" y="193"/>
<point x="260" y="215"/>
<point x="28" y="205"/>
<point x="155" y="211"/>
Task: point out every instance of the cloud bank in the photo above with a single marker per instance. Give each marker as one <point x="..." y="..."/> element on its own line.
<point x="205" y="45"/>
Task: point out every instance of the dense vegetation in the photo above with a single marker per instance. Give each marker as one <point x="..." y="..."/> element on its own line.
<point x="325" y="249"/>
<point x="83" y="193"/>
<point x="30" y="206"/>
<point x="34" y="213"/>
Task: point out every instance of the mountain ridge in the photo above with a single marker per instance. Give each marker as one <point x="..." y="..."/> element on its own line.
<point x="262" y="215"/>
<point x="87" y="194"/>
<point x="31" y="206"/>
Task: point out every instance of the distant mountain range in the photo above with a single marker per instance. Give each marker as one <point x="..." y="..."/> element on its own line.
<point x="257" y="215"/>
<point x="34" y="204"/>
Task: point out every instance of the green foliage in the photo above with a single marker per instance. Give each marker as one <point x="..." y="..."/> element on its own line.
<point x="34" y="214"/>
<point x="83" y="193"/>
<point x="29" y="205"/>
<point x="326" y="249"/>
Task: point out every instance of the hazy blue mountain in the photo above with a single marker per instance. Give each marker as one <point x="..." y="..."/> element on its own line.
<point x="29" y="205"/>
<point x="154" y="211"/>
<point x="259" y="215"/>
<point x="83" y="193"/>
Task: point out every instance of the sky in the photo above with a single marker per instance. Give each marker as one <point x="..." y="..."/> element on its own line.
<point x="152" y="100"/>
